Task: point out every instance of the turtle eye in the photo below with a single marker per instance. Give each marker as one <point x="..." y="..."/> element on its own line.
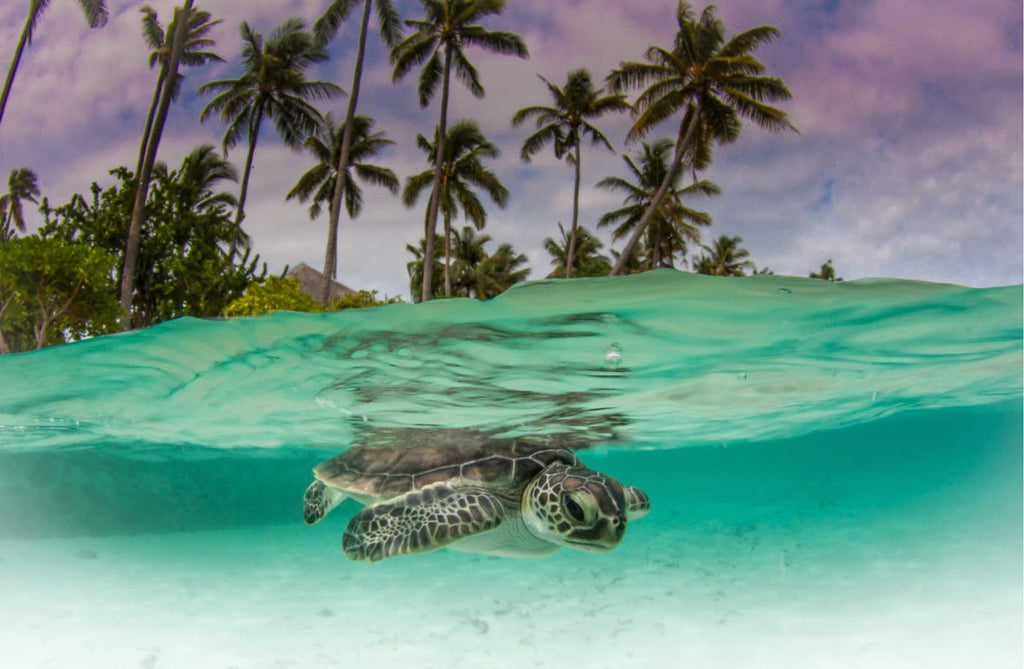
<point x="574" y="509"/>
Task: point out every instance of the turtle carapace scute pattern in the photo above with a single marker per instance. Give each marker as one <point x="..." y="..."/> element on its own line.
<point x="500" y="498"/>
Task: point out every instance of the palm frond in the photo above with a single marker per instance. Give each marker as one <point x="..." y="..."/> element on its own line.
<point x="538" y="140"/>
<point x="327" y="26"/>
<point x="152" y="31"/>
<point x="543" y="114"/>
<point x="430" y="76"/>
<point x="495" y="41"/>
<point x="378" y="176"/>
<point x="415" y="185"/>
<point x="390" y="22"/>
<point x="467" y="74"/>
<point x="749" y="40"/>
<point x="95" y="12"/>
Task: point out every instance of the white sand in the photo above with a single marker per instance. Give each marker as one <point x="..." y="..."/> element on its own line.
<point x="712" y="596"/>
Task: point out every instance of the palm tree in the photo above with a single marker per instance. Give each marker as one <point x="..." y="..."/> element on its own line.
<point x="587" y="259"/>
<point x="634" y="263"/>
<point x="470" y="252"/>
<point x="725" y="257"/>
<point x="21" y="186"/>
<point x="203" y="169"/>
<point x="826" y="273"/>
<point x="95" y="15"/>
<point x="564" y="125"/>
<point x="272" y="86"/>
<point x="415" y="269"/>
<point x="673" y="224"/>
<point x="483" y="275"/>
<point x="715" y="83"/>
<point x="131" y="251"/>
<point x="192" y="55"/>
<point x="439" y="38"/>
<point x="499" y="271"/>
<point x="324" y="30"/>
<point x="477" y="273"/>
<point x="320" y="180"/>
<point x="462" y="170"/>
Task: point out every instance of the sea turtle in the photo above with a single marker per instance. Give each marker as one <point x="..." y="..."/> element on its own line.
<point x="501" y="498"/>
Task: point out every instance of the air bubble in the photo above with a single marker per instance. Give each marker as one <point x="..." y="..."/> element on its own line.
<point x="613" y="356"/>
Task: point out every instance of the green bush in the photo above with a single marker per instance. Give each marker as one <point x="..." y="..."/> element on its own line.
<point x="360" y="299"/>
<point x="274" y="294"/>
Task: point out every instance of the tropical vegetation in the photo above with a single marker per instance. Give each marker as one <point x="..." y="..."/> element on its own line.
<point x="438" y="43"/>
<point x="52" y="290"/>
<point x="325" y="28"/>
<point x="181" y="21"/>
<point x="826" y="273"/>
<point x="564" y="126"/>
<point x="711" y="83"/>
<point x="587" y="259"/>
<point x="319" y="183"/>
<point x="462" y="171"/>
<point x="22" y="186"/>
<point x="158" y="242"/>
<point x="161" y="44"/>
<point x="725" y="257"/>
<point x="475" y="271"/>
<point x="673" y="225"/>
<point x="184" y="267"/>
<point x="272" y="86"/>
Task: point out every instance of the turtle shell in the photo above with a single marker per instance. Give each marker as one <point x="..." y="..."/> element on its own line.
<point x="388" y="471"/>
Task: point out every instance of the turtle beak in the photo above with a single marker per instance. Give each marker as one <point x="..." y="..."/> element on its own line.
<point x="602" y="537"/>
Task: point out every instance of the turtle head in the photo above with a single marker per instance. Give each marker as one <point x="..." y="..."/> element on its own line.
<point x="576" y="507"/>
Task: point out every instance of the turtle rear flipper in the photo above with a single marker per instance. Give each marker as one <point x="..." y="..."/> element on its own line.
<point x="420" y="521"/>
<point x="319" y="500"/>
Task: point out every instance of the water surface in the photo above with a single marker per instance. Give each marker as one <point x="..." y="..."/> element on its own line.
<point x="835" y="472"/>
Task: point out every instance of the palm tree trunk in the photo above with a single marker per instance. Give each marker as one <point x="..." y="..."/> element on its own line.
<point x="677" y="161"/>
<point x="9" y="81"/>
<point x="571" y="254"/>
<point x="254" y="135"/>
<point x="131" y="251"/>
<point x="435" y="194"/>
<point x="331" y="257"/>
<point x="447" y="255"/>
<point x="149" y="120"/>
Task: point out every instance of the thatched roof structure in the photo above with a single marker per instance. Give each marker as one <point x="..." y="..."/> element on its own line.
<point x="310" y="280"/>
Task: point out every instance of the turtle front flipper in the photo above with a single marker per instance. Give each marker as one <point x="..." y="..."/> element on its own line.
<point x="319" y="500"/>
<point x="420" y="521"/>
<point x="637" y="501"/>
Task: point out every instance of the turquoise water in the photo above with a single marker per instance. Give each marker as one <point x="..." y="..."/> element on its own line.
<point x="835" y="473"/>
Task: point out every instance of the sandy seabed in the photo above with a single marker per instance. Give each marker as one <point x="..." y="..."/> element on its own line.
<point x="806" y="594"/>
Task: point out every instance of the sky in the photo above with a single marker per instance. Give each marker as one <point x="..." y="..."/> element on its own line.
<point x="908" y="160"/>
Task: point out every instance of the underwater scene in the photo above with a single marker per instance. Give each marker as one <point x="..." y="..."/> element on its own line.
<point x="834" y="473"/>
